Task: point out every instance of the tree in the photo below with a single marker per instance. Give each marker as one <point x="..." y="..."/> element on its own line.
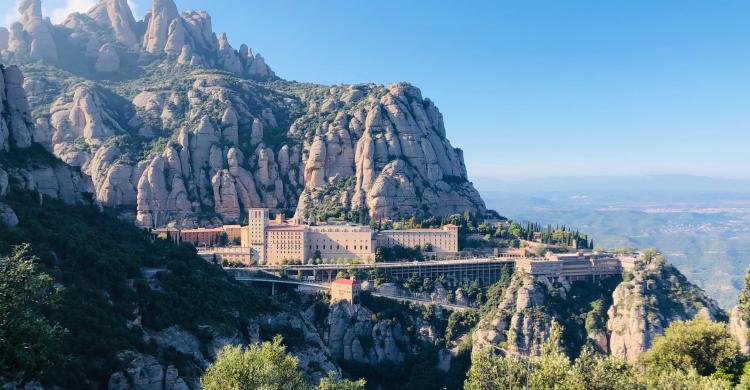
<point x="268" y="367"/>
<point x="602" y="372"/>
<point x="489" y="372"/>
<point x="553" y="370"/>
<point x="698" y="344"/>
<point x="744" y="298"/>
<point x="265" y="366"/>
<point x="29" y="342"/>
<point x="680" y="380"/>
<point x="540" y="250"/>
<point x="333" y="383"/>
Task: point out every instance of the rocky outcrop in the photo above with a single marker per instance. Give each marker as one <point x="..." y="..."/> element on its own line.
<point x="83" y="116"/>
<point x="632" y="329"/>
<point x="517" y="322"/>
<point x="52" y="178"/>
<point x="644" y="306"/>
<point x="353" y="335"/>
<point x="37" y="41"/>
<point x="116" y="14"/>
<point x="8" y="217"/>
<point x="16" y="123"/>
<point x="108" y="60"/>
<point x="4" y="37"/>
<point x="160" y="17"/>
<point x="58" y="181"/>
<point x="201" y="146"/>
<point x="396" y="149"/>
<point x="739" y="327"/>
<point x="145" y="372"/>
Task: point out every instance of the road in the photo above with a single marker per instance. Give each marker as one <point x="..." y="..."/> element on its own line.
<point x="327" y="286"/>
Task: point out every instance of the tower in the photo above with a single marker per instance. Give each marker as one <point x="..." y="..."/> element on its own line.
<point x="257" y="223"/>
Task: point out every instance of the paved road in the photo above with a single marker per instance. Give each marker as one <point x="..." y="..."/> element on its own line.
<point x="326" y="286"/>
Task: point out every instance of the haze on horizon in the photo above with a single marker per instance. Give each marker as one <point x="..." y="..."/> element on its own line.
<point x="527" y="89"/>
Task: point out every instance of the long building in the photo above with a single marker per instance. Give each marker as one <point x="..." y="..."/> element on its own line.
<point x="444" y="240"/>
<point x="267" y="241"/>
<point x="573" y="266"/>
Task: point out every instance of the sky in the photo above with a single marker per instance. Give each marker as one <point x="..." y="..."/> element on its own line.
<point x="527" y="88"/>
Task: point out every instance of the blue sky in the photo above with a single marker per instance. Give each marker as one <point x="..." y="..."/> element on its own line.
<point x="531" y="88"/>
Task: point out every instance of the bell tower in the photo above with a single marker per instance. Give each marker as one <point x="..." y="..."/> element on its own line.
<point x="257" y="223"/>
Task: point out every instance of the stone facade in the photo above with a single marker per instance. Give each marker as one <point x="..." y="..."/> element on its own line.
<point x="266" y="241"/>
<point x="202" y="237"/>
<point x="345" y="290"/>
<point x="572" y="266"/>
<point x="443" y="240"/>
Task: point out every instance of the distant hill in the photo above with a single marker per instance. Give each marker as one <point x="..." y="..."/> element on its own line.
<point x="618" y="184"/>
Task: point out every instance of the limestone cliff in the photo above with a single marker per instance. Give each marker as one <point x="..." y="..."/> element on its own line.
<point x="171" y="122"/>
<point x="645" y="305"/>
<point x="351" y="334"/>
<point x="739" y="328"/>
<point x="23" y="165"/>
<point x="517" y="323"/>
<point x="617" y="316"/>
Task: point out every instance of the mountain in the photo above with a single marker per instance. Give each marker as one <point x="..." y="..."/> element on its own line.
<point x="159" y="121"/>
<point x="622" y="185"/>
<point x="139" y="313"/>
<point x="620" y="316"/>
<point x="173" y="125"/>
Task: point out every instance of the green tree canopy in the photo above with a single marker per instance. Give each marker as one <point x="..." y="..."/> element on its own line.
<point x="268" y="367"/>
<point x="265" y="366"/>
<point x="698" y="344"/>
<point x="744" y="298"/>
<point x="29" y="343"/>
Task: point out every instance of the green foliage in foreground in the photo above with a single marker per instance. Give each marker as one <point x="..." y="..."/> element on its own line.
<point x="744" y="298"/>
<point x="112" y="272"/>
<point x="28" y="341"/>
<point x="699" y="345"/>
<point x="696" y="354"/>
<point x="267" y="366"/>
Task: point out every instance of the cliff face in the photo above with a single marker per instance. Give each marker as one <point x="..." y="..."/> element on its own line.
<point x="23" y="165"/>
<point x="644" y="306"/>
<point x="167" y="119"/>
<point x="739" y="328"/>
<point x="351" y="334"/>
<point x="618" y="317"/>
<point x="518" y="323"/>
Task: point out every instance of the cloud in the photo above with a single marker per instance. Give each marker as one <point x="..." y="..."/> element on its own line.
<point x="135" y="7"/>
<point x="8" y="14"/>
<point x="58" y="11"/>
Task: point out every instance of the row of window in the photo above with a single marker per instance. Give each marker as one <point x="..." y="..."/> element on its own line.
<point x="346" y="247"/>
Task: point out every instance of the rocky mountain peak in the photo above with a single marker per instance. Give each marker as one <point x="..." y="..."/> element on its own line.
<point x="32" y="36"/>
<point x="30" y="11"/>
<point x="116" y="14"/>
<point x="15" y="128"/>
<point x="159" y="18"/>
<point x="165" y="116"/>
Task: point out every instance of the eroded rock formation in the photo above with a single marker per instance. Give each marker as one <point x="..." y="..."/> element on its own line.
<point x="644" y="306"/>
<point x="201" y="140"/>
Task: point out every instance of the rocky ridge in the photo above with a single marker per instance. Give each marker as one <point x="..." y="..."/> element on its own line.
<point x="24" y="166"/>
<point x="639" y="309"/>
<point x="645" y="305"/>
<point x="168" y="120"/>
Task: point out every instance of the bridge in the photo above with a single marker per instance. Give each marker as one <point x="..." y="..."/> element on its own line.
<point x="485" y="271"/>
<point x="327" y="286"/>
